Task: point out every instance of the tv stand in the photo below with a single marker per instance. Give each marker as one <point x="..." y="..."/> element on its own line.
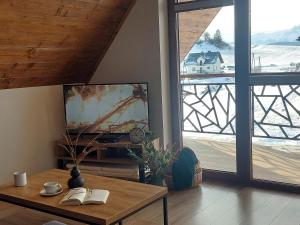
<point x="107" y="140"/>
<point x="100" y="156"/>
<point x="110" y="138"/>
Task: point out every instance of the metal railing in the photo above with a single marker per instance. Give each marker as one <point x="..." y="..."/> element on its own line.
<point x="210" y="108"/>
<point x="276" y="111"/>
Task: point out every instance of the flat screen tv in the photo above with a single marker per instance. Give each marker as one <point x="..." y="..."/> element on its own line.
<point x="106" y="108"/>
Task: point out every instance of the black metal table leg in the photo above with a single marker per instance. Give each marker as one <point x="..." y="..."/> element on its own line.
<point x="165" y="205"/>
<point x="142" y="173"/>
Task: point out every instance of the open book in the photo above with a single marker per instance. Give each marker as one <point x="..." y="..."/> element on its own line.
<point x="78" y="196"/>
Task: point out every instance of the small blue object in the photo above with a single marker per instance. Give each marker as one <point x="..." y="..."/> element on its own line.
<point x="183" y="169"/>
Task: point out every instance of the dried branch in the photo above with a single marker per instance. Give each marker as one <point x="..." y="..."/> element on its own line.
<point x="83" y="154"/>
<point x="70" y="153"/>
<point x="71" y="147"/>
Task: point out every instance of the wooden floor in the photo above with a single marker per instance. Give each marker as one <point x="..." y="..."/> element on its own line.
<point x="212" y="204"/>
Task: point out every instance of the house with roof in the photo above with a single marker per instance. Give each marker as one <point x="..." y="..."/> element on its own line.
<point x="203" y="62"/>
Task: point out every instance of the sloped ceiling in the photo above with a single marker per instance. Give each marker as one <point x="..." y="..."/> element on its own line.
<point x="47" y="42"/>
<point x="191" y="26"/>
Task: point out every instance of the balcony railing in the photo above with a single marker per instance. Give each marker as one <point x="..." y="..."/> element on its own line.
<point x="276" y="111"/>
<point x="210" y="108"/>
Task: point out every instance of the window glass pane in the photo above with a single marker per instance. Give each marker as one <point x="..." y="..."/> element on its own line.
<point x="276" y="135"/>
<point x="275" y="36"/>
<point x="206" y="40"/>
<point x="209" y="124"/>
<point x="207" y="83"/>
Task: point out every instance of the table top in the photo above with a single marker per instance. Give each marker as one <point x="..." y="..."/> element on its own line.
<point x="125" y="197"/>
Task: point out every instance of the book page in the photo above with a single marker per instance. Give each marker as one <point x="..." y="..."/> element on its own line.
<point x="96" y="196"/>
<point x="74" y="197"/>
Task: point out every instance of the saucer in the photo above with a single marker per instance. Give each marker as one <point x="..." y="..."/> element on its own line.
<point x="44" y="193"/>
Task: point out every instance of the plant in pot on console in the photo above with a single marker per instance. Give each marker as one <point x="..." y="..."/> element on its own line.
<point x="156" y="161"/>
<point x="71" y="147"/>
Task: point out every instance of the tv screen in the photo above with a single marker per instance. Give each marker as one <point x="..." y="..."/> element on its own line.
<point x="108" y="108"/>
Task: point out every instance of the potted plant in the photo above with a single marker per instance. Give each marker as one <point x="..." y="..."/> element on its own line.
<point x="70" y="147"/>
<point x="156" y="161"/>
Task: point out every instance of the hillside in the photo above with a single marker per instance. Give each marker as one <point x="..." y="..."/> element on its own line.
<point x="283" y="36"/>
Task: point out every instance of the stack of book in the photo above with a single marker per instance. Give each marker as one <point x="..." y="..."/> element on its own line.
<point x="127" y="172"/>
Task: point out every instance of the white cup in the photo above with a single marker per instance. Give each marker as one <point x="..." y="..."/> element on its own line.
<point x="20" y="178"/>
<point x="52" y="187"/>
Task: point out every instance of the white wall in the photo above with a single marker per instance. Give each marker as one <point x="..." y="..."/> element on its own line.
<point x="164" y="65"/>
<point x="31" y="119"/>
<point x="139" y="54"/>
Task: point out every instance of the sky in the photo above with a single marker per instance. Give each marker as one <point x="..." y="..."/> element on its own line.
<point x="266" y="16"/>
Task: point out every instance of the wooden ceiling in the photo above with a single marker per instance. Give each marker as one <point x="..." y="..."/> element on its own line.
<point x="48" y="42"/>
<point x="191" y="26"/>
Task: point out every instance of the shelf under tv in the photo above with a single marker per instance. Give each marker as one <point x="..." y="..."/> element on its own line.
<point x="119" y="144"/>
<point x="109" y="160"/>
<point x="118" y="154"/>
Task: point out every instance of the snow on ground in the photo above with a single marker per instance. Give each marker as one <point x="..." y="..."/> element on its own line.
<point x="277" y="58"/>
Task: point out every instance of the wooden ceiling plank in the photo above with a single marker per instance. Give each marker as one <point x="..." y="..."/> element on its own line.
<point x="9" y="55"/>
<point x="54" y="41"/>
<point x="57" y="41"/>
<point x="102" y="54"/>
<point x="25" y="82"/>
<point x="43" y="69"/>
<point x="66" y="9"/>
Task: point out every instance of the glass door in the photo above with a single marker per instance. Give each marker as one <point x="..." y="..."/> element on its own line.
<point x="275" y="71"/>
<point x="207" y="81"/>
<point x="237" y="86"/>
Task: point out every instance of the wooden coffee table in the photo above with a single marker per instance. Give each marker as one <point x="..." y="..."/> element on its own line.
<point x="125" y="199"/>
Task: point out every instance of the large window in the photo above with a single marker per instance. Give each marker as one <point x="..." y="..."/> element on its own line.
<point x="275" y="51"/>
<point x="240" y="86"/>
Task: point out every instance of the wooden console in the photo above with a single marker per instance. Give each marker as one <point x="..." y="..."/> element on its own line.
<point x="105" y="153"/>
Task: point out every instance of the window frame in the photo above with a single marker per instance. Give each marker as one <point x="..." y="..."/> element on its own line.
<point x="244" y="80"/>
